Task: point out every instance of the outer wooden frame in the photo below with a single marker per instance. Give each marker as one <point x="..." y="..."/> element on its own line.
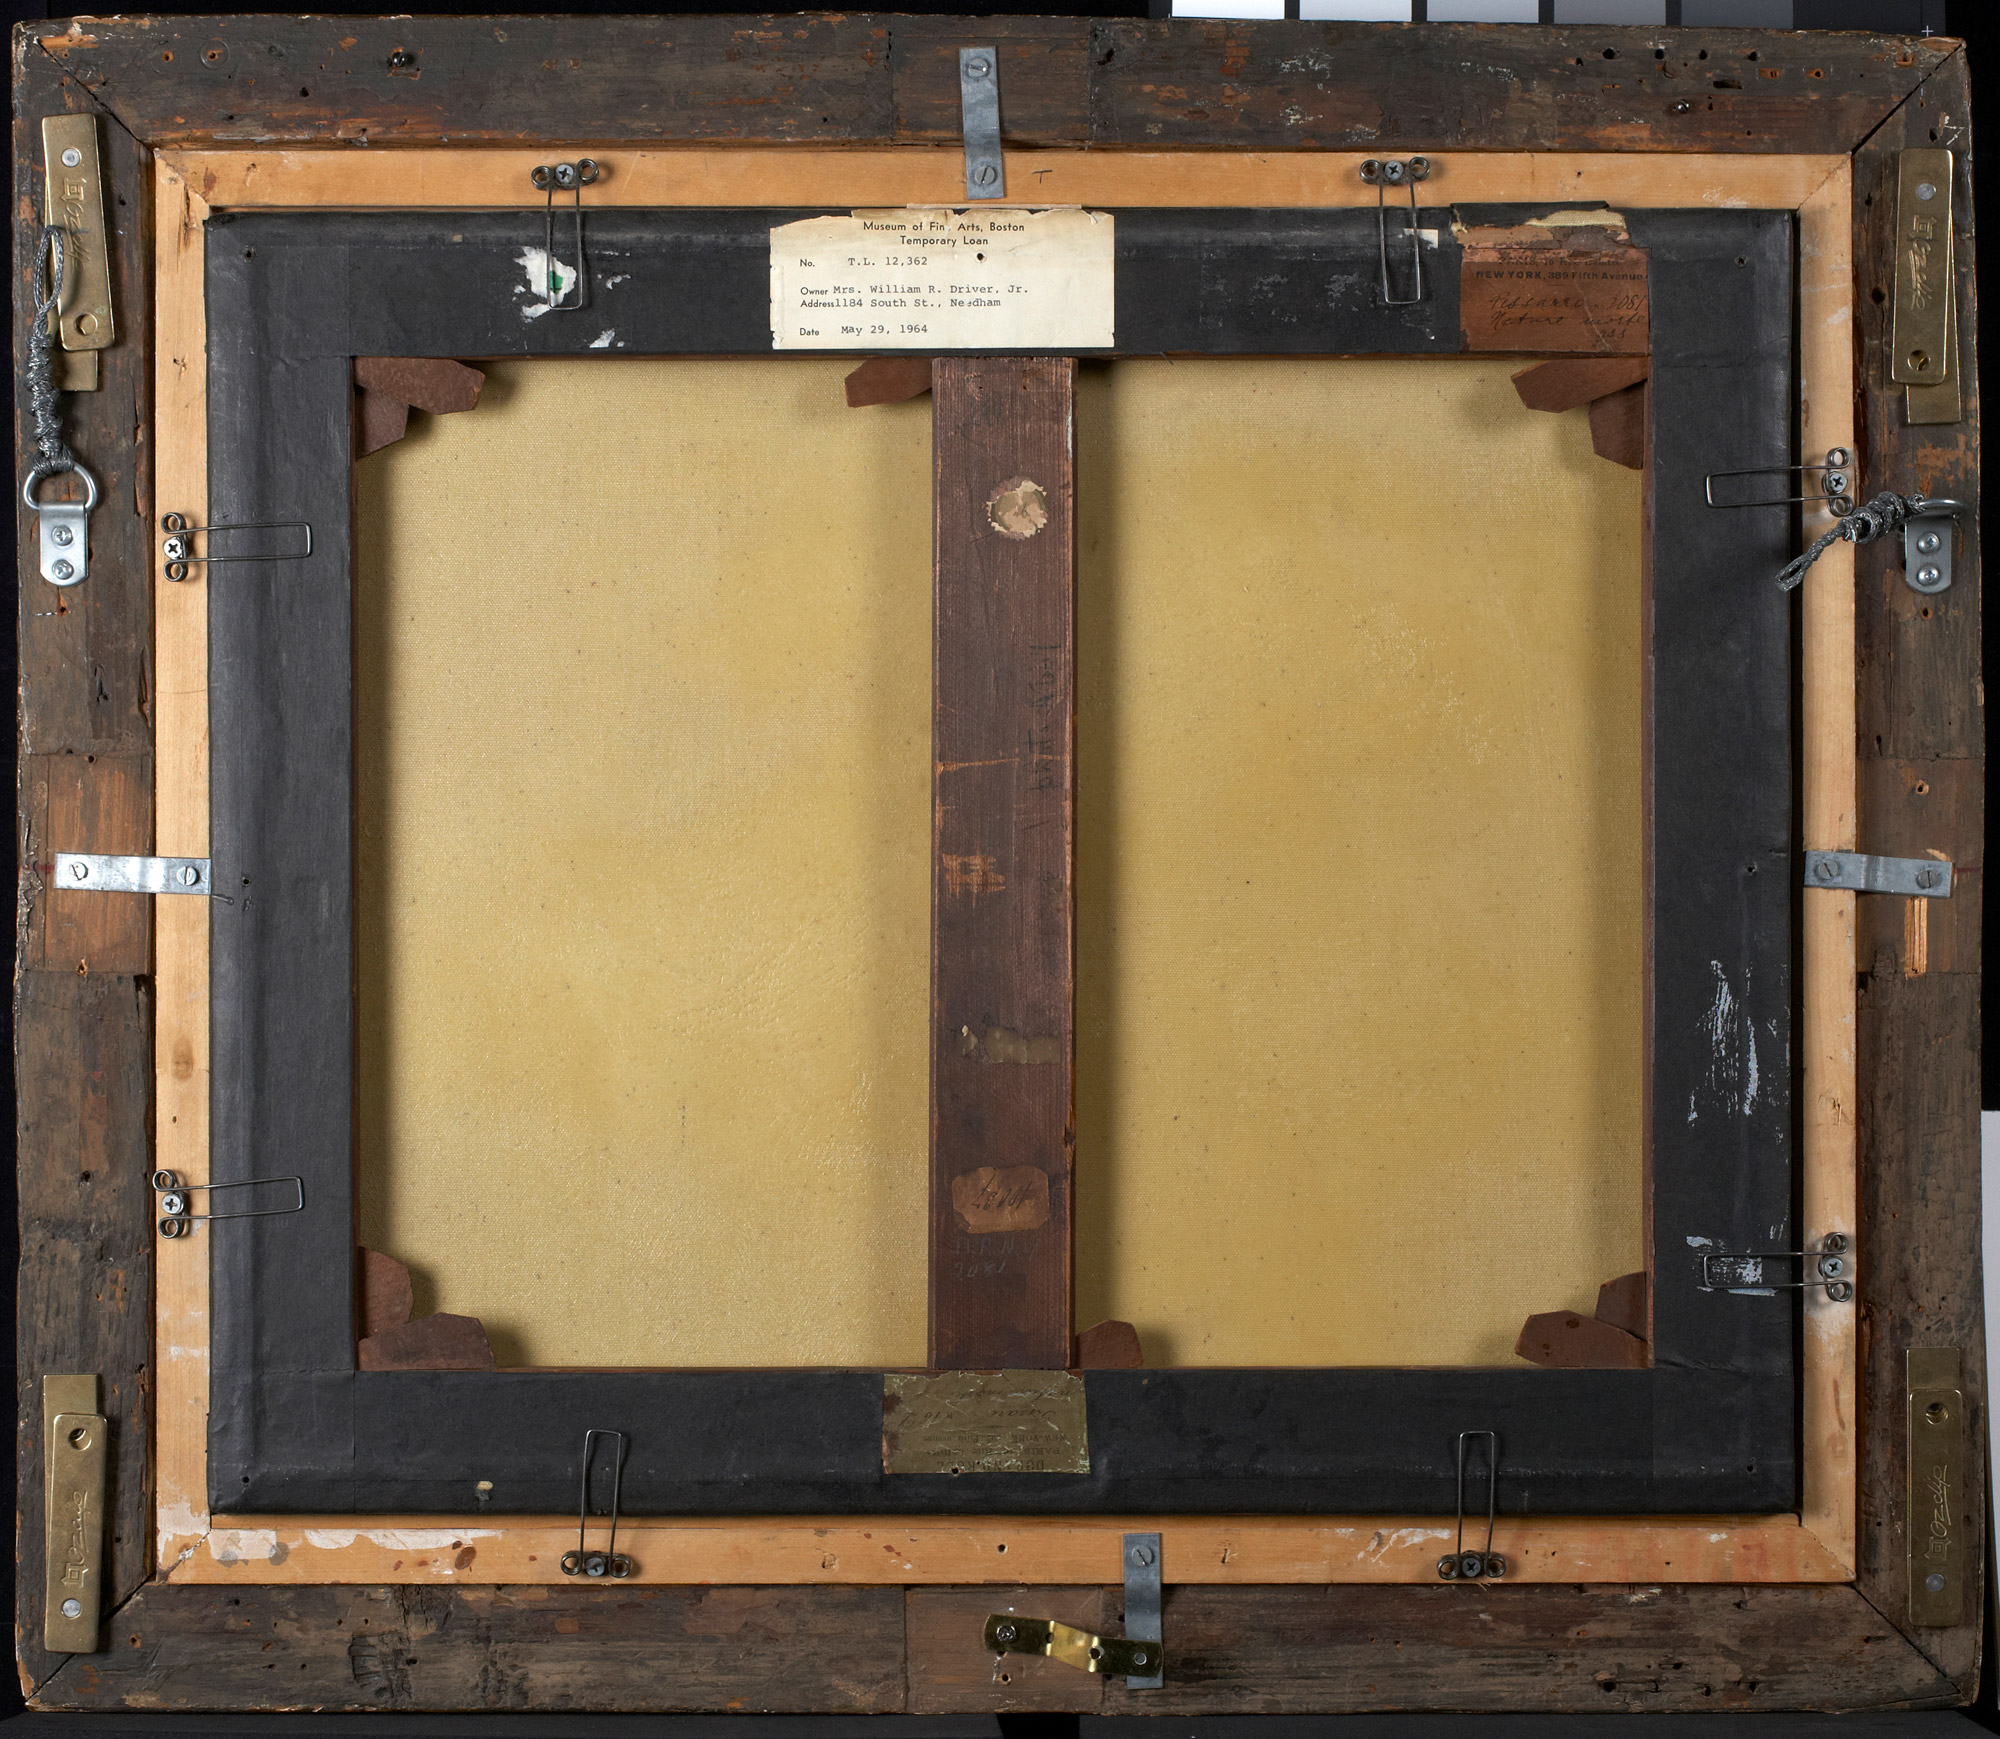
<point x="88" y="697"/>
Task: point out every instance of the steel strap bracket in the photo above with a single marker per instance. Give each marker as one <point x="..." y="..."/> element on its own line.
<point x="1143" y="1599"/>
<point x="979" y="100"/>
<point x="88" y="872"/>
<point x="1920" y="878"/>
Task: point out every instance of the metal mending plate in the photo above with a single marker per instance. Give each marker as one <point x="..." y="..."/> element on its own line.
<point x="984" y="1422"/>
<point x="1143" y="1599"/>
<point x="1921" y="878"/>
<point x="87" y="872"/>
<point x="1938" y="1541"/>
<point x="979" y="101"/>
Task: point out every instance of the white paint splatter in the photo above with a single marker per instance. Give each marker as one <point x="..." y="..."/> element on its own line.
<point x="617" y="278"/>
<point x="538" y="267"/>
<point x="1731" y="1079"/>
<point x="1400" y="1539"/>
<point x="603" y="340"/>
<point x="242" y="1545"/>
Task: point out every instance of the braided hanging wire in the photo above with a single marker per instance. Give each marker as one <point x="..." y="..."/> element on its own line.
<point x="1865" y="524"/>
<point x="44" y="396"/>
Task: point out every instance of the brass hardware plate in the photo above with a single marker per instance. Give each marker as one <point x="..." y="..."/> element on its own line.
<point x="1927" y="405"/>
<point x="75" y="201"/>
<point x="73" y="1462"/>
<point x="984" y="1422"/>
<point x="1938" y="1532"/>
<point x="1921" y="303"/>
<point x="1006" y="1634"/>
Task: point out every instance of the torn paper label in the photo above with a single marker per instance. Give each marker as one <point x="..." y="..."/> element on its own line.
<point x="942" y="279"/>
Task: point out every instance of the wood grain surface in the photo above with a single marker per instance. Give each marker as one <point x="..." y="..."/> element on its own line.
<point x="744" y="1650"/>
<point x="83" y="995"/>
<point x="1921" y="723"/>
<point x="1003" y="906"/>
<point x="1599" y="1650"/>
<point x="83" y="1041"/>
<point x="1268" y="86"/>
<point x="853" y="1650"/>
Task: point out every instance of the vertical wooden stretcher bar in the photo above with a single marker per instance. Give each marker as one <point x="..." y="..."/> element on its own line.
<point x="1002" y="883"/>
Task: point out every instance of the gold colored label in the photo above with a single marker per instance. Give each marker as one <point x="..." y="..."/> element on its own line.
<point x="984" y="1422"/>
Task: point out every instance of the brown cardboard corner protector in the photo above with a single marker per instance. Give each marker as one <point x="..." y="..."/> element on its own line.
<point x="385" y="1293"/>
<point x="431" y="1343"/>
<point x="1618" y="427"/>
<point x="1570" y="381"/>
<point x="1613" y="1339"/>
<point x="888" y="380"/>
<point x="1109" y="1346"/>
<point x="1614" y="387"/>
<point x="391" y="386"/>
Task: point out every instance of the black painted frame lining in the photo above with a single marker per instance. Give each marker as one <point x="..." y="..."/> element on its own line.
<point x="1710" y="1428"/>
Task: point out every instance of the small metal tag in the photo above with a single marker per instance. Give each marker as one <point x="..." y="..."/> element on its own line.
<point x="984" y="1422"/>
<point x="1937" y="1532"/>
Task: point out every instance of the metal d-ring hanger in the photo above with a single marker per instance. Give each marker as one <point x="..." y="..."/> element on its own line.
<point x="1460" y="1565"/>
<point x="64" y="525"/>
<point x="610" y="1561"/>
<point x="177" y="1221"/>
<point x="571" y="178"/>
<point x="1381" y="176"/>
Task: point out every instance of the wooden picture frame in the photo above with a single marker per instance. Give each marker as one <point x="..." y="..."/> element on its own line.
<point x="1798" y="1572"/>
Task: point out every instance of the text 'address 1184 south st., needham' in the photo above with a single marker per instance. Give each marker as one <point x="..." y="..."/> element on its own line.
<point x="942" y="279"/>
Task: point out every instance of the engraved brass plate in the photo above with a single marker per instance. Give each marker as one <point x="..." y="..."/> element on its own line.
<point x="1920" y="304"/>
<point x="73" y="1462"/>
<point x="1938" y="1531"/>
<point x="75" y="202"/>
<point x="984" y="1422"/>
<point x="1943" y="403"/>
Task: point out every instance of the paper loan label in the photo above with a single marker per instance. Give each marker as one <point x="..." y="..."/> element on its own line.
<point x="937" y="279"/>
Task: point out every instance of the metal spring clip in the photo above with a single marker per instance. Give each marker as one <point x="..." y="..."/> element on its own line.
<point x="1395" y="173"/>
<point x="1836" y="493"/>
<point x="178" y="545"/>
<point x="571" y="178"/>
<point x="1461" y="1565"/>
<point x="178" y="1221"/>
<point x="1744" y="1271"/>
<point x="610" y="1561"/>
